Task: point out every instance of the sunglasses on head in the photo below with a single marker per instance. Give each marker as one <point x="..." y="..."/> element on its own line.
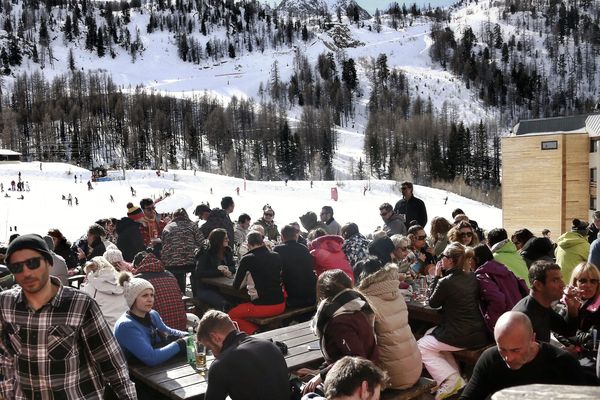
<point x="31" y="263"/>
<point x="583" y="281"/>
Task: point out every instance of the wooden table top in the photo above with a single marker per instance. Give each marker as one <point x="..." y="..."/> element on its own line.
<point x="177" y="380"/>
<point x="225" y="285"/>
<point x="548" y="392"/>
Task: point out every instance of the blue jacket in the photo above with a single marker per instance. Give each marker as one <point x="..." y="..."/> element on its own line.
<point x="146" y="343"/>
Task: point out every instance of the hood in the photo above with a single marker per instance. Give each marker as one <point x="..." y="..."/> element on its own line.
<point x="105" y="281"/>
<point x="126" y="223"/>
<point x="149" y="264"/>
<point x="570" y="239"/>
<point x="384" y="283"/>
<point x="504" y="246"/>
<point x="493" y="267"/>
<point x="331" y="243"/>
<point x="309" y="220"/>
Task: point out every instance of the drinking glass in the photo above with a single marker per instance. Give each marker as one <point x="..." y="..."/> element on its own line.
<point x="200" y="357"/>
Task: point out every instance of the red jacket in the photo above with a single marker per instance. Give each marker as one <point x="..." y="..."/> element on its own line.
<point x="327" y="254"/>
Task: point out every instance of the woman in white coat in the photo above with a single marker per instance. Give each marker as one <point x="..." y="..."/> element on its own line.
<point x="103" y="286"/>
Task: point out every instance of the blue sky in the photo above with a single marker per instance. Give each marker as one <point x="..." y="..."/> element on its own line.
<point x="371" y="5"/>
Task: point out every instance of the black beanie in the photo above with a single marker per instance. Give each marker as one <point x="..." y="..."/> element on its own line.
<point x="31" y="242"/>
<point x="381" y="248"/>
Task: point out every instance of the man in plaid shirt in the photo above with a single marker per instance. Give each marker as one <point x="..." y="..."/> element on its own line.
<point x="55" y="342"/>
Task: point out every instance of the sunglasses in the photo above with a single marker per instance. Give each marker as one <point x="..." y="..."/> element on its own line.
<point x="269" y="215"/>
<point x="463" y="234"/>
<point x="384" y="213"/>
<point x="583" y="281"/>
<point x="421" y="237"/>
<point x="31" y="263"/>
<point x="150" y="208"/>
<point x="402" y="248"/>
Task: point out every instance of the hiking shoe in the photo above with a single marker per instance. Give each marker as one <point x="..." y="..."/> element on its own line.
<point x="450" y="387"/>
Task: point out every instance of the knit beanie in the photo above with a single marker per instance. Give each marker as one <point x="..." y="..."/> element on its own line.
<point x="134" y="212"/>
<point x="113" y="255"/>
<point x="133" y="287"/>
<point x="31" y="242"/>
<point x="381" y="248"/>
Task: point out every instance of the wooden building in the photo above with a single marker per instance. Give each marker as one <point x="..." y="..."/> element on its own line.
<point x="549" y="172"/>
<point x="9" y="156"/>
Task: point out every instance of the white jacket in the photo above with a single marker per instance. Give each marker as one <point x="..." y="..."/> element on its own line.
<point x="103" y="287"/>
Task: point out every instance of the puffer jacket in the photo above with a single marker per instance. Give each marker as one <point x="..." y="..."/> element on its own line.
<point x="505" y="252"/>
<point x="271" y="231"/>
<point x="167" y="295"/>
<point x="327" y="253"/>
<point x="398" y="351"/>
<point x="103" y="286"/>
<point x="356" y="248"/>
<point x="462" y="325"/>
<point x="180" y="239"/>
<point x="499" y="291"/>
<point x="571" y="249"/>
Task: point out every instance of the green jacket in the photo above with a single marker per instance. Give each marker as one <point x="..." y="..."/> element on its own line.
<point x="571" y="249"/>
<point x="505" y="252"/>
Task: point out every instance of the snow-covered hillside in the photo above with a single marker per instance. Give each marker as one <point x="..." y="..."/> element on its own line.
<point x="43" y="208"/>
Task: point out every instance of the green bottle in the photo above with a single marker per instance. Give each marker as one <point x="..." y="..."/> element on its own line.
<point x="191" y="348"/>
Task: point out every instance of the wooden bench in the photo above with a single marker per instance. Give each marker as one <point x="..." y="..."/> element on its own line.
<point x="420" y="390"/>
<point x="469" y="357"/>
<point x="277" y="321"/>
<point x="76" y="280"/>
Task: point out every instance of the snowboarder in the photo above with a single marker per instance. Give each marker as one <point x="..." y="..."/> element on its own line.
<point x="76" y="201"/>
<point x="132" y="191"/>
<point x="89" y="184"/>
<point x="446" y="200"/>
<point x="112" y="199"/>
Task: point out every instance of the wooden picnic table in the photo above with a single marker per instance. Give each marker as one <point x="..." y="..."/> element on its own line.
<point x="177" y="380"/>
<point x="423" y="313"/>
<point x="548" y="392"/>
<point x="225" y="285"/>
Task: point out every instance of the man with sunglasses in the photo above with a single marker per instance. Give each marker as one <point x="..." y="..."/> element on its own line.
<point x="410" y="207"/>
<point x="55" y="341"/>
<point x="393" y="224"/>
<point x="153" y="225"/>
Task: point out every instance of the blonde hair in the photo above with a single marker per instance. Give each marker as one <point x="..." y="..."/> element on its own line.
<point x="399" y="240"/>
<point x="458" y="254"/>
<point x="586" y="268"/>
<point x="97" y="264"/>
<point x="214" y="321"/>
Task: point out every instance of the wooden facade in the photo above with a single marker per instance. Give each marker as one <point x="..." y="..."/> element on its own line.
<point x="545" y="181"/>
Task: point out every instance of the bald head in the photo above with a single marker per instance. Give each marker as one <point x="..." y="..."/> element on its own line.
<point x="515" y="339"/>
<point x="513" y="322"/>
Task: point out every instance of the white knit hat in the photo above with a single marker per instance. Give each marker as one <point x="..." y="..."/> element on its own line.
<point x="113" y="255"/>
<point x="133" y="287"/>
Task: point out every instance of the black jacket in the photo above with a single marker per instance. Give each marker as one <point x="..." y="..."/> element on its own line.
<point x="462" y="324"/>
<point x="298" y="274"/>
<point x="207" y="263"/>
<point x="218" y="218"/>
<point x="64" y="250"/>
<point x="413" y="210"/>
<point x="248" y="369"/>
<point x="265" y="268"/>
<point x="129" y="240"/>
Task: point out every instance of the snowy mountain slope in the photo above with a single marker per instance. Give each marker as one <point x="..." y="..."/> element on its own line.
<point x="318" y="7"/>
<point x="42" y="208"/>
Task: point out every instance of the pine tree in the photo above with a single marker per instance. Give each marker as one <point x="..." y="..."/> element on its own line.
<point x="100" y="43"/>
<point x="14" y="57"/>
<point x="43" y="39"/>
<point x="349" y="75"/>
<point x="5" y="62"/>
<point x="71" y="60"/>
<point x="68" y="29"/>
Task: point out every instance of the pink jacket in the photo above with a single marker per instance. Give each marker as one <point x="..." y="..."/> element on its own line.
<point x="327" y="254"/>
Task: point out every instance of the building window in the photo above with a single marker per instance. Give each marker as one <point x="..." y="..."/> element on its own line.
<point x="593" y="146"/>
<point x="593" y="203"/>
<point x="550" y="145"/>
<point x="593" y="175"/>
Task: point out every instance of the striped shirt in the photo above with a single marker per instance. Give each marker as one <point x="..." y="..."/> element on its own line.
<point x="64" y="350"/>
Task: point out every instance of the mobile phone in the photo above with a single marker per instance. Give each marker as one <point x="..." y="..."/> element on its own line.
<point x="314" y="346"/>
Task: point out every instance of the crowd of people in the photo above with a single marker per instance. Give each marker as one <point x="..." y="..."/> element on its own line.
<point x="488" y="286"/>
